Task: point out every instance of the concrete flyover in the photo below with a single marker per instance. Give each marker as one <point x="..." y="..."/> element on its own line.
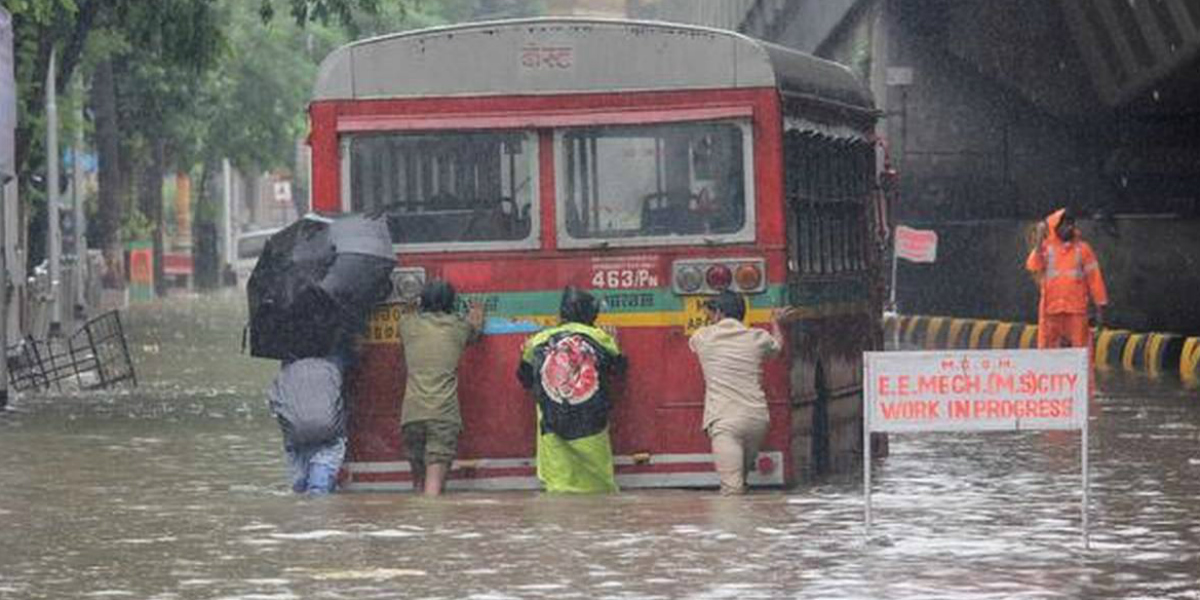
<point x="1147" y="352"/>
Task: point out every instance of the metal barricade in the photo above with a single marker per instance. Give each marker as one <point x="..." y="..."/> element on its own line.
<point x="96" y="356"/>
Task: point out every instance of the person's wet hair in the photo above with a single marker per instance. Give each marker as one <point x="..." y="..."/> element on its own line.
<point x="438" y="296"/>
<point x="578" y="306"/>
<point x="729" y="303"/>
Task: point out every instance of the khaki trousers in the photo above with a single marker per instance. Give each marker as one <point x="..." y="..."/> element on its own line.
<point x="735" y="445"/>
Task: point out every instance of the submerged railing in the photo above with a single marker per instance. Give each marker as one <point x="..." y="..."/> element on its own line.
<point x="96" y="356"/>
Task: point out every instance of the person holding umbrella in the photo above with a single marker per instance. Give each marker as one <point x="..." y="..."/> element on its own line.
<point x="309" y="296"/>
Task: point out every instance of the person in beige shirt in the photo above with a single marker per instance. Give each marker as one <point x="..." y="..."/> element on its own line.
<point x="735" y="407"/>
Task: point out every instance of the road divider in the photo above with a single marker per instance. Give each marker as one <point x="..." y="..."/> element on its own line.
<point x="958" y="335"/>
<point x="1148" y="352"/>
<point x="981" y="334"/>
<point x="1110" y="347"/>
<point x="1133" y="357"/>
<point x="1189" y="362"/>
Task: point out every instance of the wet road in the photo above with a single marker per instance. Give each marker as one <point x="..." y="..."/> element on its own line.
<point x="176" y="490"/>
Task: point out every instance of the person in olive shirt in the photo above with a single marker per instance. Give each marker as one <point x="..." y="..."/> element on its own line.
<point x="434" y="339"/>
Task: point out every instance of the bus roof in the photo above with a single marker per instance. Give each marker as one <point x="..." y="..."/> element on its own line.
<point x="566" y="55"/>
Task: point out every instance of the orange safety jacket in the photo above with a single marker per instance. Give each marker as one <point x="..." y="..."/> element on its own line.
<point x="1068" y="270"/>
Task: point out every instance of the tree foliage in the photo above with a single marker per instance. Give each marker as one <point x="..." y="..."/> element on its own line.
<point x="198" y="80"/>
<point x="323" y="11"/>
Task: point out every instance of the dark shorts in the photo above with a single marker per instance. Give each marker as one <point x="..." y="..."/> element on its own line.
<point x="430" y="442"/>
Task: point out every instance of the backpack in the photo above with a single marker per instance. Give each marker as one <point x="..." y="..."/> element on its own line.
<point x="306" y="399"/>
<point x="570" y="370"/>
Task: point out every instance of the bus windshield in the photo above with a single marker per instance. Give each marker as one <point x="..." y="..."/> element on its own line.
<point x="446" y="187"/>
<point x="649" y="181"/>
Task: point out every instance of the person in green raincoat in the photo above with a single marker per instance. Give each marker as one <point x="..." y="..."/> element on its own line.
<point x="568" y="368"/>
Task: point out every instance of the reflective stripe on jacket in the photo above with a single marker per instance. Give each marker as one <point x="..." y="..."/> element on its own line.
<point x="1070" y="274"/>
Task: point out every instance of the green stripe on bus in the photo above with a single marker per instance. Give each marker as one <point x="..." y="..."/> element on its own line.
<point x="661" y="299"/>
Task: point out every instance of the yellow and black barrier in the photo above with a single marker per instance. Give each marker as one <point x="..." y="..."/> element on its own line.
<point x="958" y="334"/>
<point x="935" y="332"/>
<point x="1189" y="360"/>
<point x="1110" y="347"/>
<point x="1150" y="352"/>
<point x="1133" y="357"/>
<point x="1164" y="352"/>
<point x="981" y="334"/>
<point x="891" y="323"/>
<point x="914" y="331"/>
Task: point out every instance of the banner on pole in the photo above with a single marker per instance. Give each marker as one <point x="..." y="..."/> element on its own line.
<point x="916" y="245"/>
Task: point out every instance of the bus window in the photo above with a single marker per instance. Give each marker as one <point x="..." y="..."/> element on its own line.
<point x="447" y="187"/>
<point x="650" y="181"/>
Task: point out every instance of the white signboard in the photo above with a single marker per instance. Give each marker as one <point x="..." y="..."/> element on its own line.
<point x="283" y="192"/>
<point x="975" y="390"/>
<point x="899" y="76"/>
<point x="8" y="98"/>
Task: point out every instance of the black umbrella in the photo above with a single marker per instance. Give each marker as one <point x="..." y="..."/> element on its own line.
<point x="315" y="283"/>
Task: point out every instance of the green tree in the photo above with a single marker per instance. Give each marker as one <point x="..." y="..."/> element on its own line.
<point x="180" y="83"/>
<point x="146" y="47"/>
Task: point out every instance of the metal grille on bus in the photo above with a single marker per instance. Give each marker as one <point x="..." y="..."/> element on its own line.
<point x="827" y="182"/>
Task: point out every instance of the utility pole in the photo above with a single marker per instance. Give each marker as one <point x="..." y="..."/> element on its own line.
<point x="81" y="262"/>
<point x="8" y="122"/>
<point x="227" y="197"/>
<point x="4" y="178"/>
<point x="53" y="238"/>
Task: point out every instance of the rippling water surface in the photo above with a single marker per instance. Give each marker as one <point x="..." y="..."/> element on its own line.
<point x="176" y="490"/>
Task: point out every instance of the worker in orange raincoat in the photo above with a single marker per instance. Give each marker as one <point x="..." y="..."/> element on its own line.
<point x="1070" y="278"/>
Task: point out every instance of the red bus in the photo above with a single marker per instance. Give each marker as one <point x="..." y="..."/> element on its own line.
<point x="651" y="163"/>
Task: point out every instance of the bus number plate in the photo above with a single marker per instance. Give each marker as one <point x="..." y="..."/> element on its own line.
<point x="623" y="279"/>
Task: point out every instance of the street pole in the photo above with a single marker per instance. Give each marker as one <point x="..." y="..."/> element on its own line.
<point x="4" y="177"/>
<point x="894" y="312"/>
<point x="8" y="122"/>
<point x="81" y="262"/>
<point x="227" y="199"/>
<point x="53" y="239"/>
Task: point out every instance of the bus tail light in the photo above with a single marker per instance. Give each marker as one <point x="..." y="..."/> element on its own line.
<point x="747" y="276"/>
<point x="766" y="466"/>
<point x="688" y="279"/>
<point x="718" y="277"/>
<point x="714" y="275"/>
<point x="407" y="283"/>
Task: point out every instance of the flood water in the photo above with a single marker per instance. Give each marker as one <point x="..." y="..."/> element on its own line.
<point x="176" y="490"/>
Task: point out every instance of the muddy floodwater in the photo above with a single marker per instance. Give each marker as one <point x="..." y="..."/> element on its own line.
<point x="176" y="490"/>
